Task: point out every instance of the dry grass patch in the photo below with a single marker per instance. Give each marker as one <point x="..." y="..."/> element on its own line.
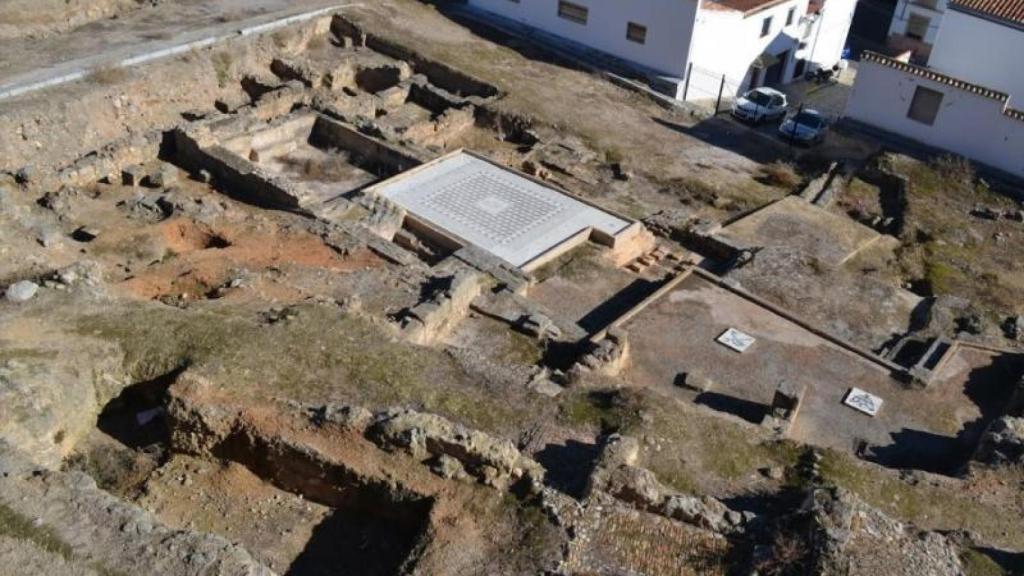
<point x="781" y="175"/>
<point x="108" y="75"/>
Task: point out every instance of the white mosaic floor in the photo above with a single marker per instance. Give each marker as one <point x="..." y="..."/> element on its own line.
<point x="498" y="210"/>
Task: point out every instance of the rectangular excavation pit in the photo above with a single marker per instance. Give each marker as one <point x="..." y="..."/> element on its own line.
<point x="373" y="526"/>
<point x="425" y="114"/>
<point x="585" y="289"/>
<point x="674" y="338"/>
<point x="324" y="156"/>
<point x="465" y="199"/>
<point x="297" y="162"/>
<point x="438" y="73"/>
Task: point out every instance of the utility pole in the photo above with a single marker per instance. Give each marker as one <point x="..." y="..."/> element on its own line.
<point x="792" y="134"/>
<point x="721" y="89"/>
<point x="686" y="86"/>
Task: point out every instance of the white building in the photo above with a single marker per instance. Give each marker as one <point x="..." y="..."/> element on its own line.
<point x="745" y="42"/>
<point x="982" y="41"/>
<point x="962" y="102"/>
<point x="915" y="26"/>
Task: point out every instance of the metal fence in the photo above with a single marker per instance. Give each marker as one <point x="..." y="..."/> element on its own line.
<point x="709" y="88"/>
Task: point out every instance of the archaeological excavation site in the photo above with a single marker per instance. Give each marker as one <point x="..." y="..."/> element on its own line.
<point x="380" y="288"/>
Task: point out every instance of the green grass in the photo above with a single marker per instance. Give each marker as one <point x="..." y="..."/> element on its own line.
<point x="714" y="448"/>
<point x="322" y="354"/>
<point x="979" y="564"/>
<point x="929" y="506"/>
<point x="14" y="525"/>
<point x="222" y="63"/>
<point x="576" y="264"/>
<point x="26" y="355"/>
<point x="941" y="277"/>
<point x="521" y="349"/>
<point x="601" y="410"/>
<point x="947" y="250"/>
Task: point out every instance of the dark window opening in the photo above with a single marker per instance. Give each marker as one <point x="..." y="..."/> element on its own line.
<point x="572" y="12"/>
<point x="636" y="33"/>
<point x="924" y="107"/>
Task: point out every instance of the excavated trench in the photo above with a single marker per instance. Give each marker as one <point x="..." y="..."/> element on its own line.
<point x="372" y="526"/>
<point x="374" y="529"/>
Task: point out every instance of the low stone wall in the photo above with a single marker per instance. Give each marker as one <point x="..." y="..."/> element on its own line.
<point x="374" y="155"/>
<point x="440" y="74"/>
<point x="617" y="475"/>
<point x="436" y="316"/>
<point x="236" y="175"/>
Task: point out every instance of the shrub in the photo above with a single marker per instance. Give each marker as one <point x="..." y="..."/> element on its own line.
<point x="108" y="75"/>
<point x="317" y="42"/>
<point x="222" y="62"/>
<point x="955" y="169"/>
<point x="788" y="555"/>
<point x="613" y="156"/>
<point x="780" y="174"/>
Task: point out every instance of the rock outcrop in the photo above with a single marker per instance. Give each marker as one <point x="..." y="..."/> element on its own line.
<point x="491" y="460"/>
<point x="1002" y="443"/>
<point x="617" y="475"/>
<point x="840" y="534"/>
<point x="62" y="520"/>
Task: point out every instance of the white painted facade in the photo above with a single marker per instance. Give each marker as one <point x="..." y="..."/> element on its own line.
<point x="669" y="26"/>
<point x="970" y="124"/>
<point x="915" y="26"/>
<point x="981" y="51"/>
<point x="713" y="56"/>
<point x="716" y="40"/>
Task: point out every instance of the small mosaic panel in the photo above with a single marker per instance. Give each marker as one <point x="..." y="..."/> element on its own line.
<point x="736" y="340"/>
<point x="863" y="401"/>
<point x="499" y="210"/>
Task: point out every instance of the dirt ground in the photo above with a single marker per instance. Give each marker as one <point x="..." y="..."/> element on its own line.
<point x="285" y="317"/>
<point x="971" y="258"/>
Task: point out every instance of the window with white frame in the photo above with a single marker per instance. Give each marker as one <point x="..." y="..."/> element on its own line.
<point x="766" y="27"/>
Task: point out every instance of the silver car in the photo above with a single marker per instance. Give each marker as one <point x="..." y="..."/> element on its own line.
<point x="805" y="127"/>
<point x="760" y="105"/>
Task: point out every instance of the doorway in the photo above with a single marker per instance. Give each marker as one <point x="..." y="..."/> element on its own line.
<point x="774" y="74"/>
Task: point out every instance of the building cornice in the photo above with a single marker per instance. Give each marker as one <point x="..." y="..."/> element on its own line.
<point x="929" y="74"/>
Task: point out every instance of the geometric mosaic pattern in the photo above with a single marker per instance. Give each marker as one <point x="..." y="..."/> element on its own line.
<point x="498" y="210"/>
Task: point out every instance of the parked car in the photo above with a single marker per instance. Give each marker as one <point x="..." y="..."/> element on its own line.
<point x="760" y="105"/>
<point x="805" y="127"/>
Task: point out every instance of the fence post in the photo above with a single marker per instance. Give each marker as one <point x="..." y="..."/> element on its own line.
<point x="721" y="89"/>
<point x="792" y="135"/>
<point x="686" y="85"/>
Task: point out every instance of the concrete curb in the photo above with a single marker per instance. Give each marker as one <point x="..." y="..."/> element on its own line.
<point x="10" y="91"/>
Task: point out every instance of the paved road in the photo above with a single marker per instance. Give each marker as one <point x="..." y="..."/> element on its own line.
<point x="829" y="99"/>
<point x="141" y="35"/>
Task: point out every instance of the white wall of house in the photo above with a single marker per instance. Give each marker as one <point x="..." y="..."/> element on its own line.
<point x="669" y="27"/>
<point x="728" y="42"/>
<point x="819" y="42"/>
<point x="967" y="124"/>
<point x="717" y="41"/>
<point x="827" y="42"/>
<point x="909" y="10"/>
<point x="981" y="51"/>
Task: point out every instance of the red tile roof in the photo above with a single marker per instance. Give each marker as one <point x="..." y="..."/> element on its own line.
<point x="1009" y="10"/>
<point x="745" y="6"/>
